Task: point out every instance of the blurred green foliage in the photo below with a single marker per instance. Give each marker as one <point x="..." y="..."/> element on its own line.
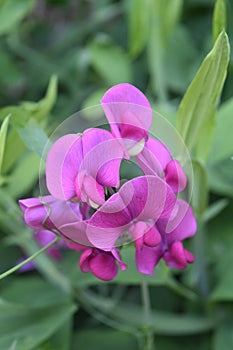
<point x="65" y="54"/>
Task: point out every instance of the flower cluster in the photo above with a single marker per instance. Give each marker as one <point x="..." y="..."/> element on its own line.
<point x="95" y="213"/>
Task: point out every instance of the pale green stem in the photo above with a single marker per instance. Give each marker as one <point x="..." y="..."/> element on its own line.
<point x="18" y="266"/>
<point x="148" y="334"/>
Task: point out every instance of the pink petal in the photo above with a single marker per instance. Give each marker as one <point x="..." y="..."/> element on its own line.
<point x="147" y="258"/>
<point x="84" y="260"/>
<point x="175" y="257"/>
<point x="154" y="157"/>
<point x="62" y="165"/>
<point x="101" y="157"/>
<point x="103" y="266"/>
<point x="175" y="176"/>
<point x="181" y="225"/>
<point x="127" y="107"/>
<point x="93" y="190"/>
<point x="116" y="255"/>
<point x="152" y="237"/>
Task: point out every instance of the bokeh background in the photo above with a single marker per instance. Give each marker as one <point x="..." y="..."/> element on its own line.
<point x="60" y="56"/>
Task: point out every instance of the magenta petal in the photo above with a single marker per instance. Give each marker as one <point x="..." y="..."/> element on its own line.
<point x="103" y="266"/>
<point x="143" y="198"/>
<point x="181" y="225"/>
<point x="176" y="257"/>
<point x="175" y="176"/>
<point x="152" y="237"/>
<point x="35" y="212"/>
<point x="154" y="157"/>
<point x="44" y="237"/>
<point x="63" y="162"/>
<point x="94" y="191"/>
<point x="102" y="156"/>
<point x="116" y="255"/>
<point x="189" y="256"/>
<point x="84" y="260"/>
<point x="147" y="258"/>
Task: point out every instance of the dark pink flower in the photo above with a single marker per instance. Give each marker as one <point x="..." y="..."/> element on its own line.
<point x="179" y="226"/>
<point x="130" y="116"/>
<point x="81" y="166"/>
<point x="101" y="263"/>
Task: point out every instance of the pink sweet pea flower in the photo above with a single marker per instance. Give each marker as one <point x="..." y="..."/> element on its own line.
<point x="48" y="212"/>
<point x="81" y="166"/>
<point x="141" y="200"/>
<point x="130" y="116"/>
<point x="179" y="226"/>
<point x="155" y="159"/>
<point x="101" y="263"/>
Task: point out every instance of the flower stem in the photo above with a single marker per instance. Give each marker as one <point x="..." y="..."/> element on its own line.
<point x="148" y="334"/>
<point x="18" y="266"/>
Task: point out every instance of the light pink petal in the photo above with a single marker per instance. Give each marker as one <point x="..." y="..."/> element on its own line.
<point x="175" y="257"/>
<point x="93" y="190"/>
<point x="103" y="266"/>
<point x="62" y="165"/>
<point x="147" y="258"/>
<point x="175" y="176"/>
<point x="154" y="157"/>
<point x="127" y="109"/>
<point x="76" y="231"/>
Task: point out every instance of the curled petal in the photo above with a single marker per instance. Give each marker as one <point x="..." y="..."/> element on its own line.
<point x="175" y="176"/>
<point x="154" y="157"/>
<point x="181" y="224"/>
<point x="177" y="257"/>
<point x="128" y="112"/>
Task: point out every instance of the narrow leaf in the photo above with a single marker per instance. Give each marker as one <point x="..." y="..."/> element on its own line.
<point x="3" y="133"/>
<point x="219" y="18"/>
<point x="201" y="97"/>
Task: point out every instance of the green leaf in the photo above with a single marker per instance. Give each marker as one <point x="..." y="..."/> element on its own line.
<point x="219" y="18"/>
<point x="220" y="177"/>
<point x="12" y="12"/>
<point x="93" y="99"/>
<point x="104" y="56"/>
<point x="103" y="339"/>
<point x="139" y="26"/>
<point x="34" y="137"/>
<point x="3" y="133"/>
<point x="24" y="175"/>
<point x="200" y="100"/>
<point x="200" y="189"/>
<point x="27" y="326"/>
<point x="222" y="146"/>
<point x="40" y="110"/>
<point x="223" y="336"/>
<point x="160" y="322"/>
<point x="205" y="137"/>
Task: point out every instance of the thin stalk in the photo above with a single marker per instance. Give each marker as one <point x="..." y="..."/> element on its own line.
<point x="148" y="334"/>
<point x="18" y="266"/>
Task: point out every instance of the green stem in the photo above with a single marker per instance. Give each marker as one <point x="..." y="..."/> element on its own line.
<point x="16" y="267"/>
<point x="148" y="334"/>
